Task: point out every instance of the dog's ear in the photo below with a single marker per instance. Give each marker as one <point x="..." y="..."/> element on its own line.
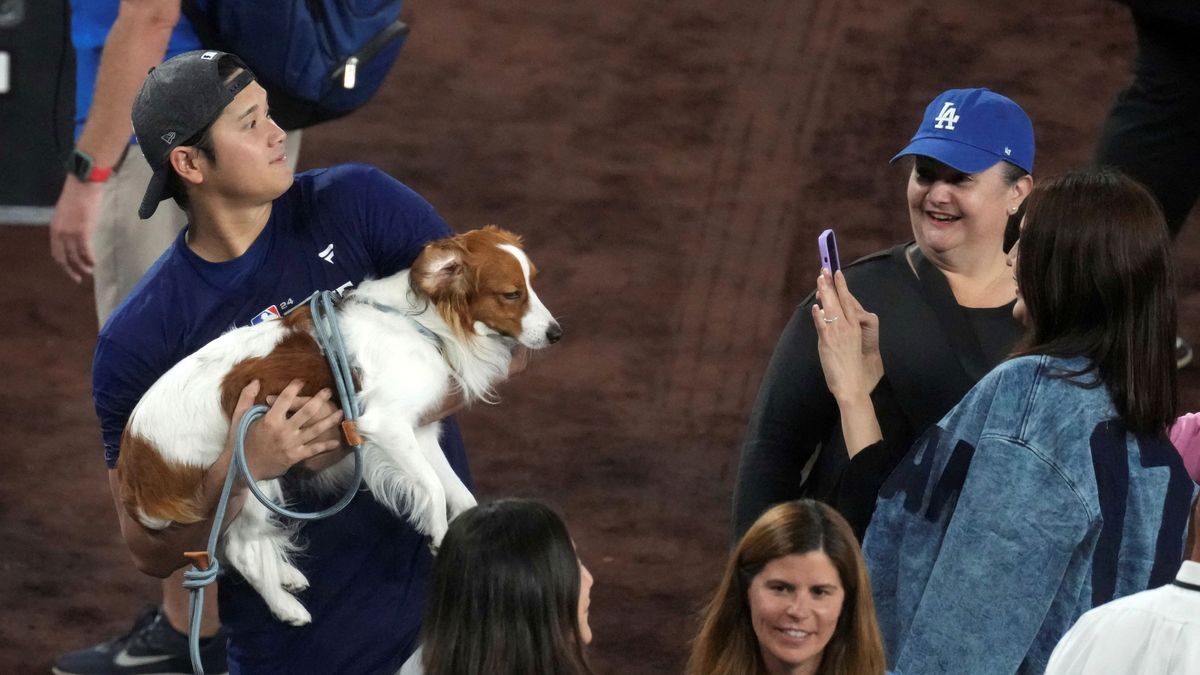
<point x="504" y="235"/>
<point x="440" y="270"/>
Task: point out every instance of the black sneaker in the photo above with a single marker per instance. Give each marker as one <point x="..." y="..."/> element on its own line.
<point x="151" y="646"/>
<point x="1183" y="353"/>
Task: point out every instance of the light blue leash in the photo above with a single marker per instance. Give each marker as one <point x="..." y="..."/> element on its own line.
<point x="205" y="566"/>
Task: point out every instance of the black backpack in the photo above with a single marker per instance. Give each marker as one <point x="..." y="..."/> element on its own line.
<point x="317" y="59"/>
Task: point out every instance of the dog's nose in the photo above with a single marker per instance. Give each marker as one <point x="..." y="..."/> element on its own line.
<point x="554" y="332"/>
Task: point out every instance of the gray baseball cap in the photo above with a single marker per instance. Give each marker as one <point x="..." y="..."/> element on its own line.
<point x="180" y="98"/>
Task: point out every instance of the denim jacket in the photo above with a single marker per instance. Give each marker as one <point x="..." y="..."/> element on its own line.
<point x="1027" y="505"/>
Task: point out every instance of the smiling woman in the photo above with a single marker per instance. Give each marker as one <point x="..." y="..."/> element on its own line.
<point x="795" y="600"/>
<point x="945" y="298"/>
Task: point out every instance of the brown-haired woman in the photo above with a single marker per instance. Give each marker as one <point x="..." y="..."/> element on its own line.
<point x="795" y="599"/>
<point x="1051" y="487"/>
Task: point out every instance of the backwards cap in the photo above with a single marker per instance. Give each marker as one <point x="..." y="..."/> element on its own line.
<point x="179" y="99"/>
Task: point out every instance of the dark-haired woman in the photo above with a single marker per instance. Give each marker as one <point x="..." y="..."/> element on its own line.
<point x="794" y="600"/>
<point x="1052" y="487"/>
<point x="509" y="595"/>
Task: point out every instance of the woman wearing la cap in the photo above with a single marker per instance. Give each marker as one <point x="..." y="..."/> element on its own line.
<point x="946" y="301"/>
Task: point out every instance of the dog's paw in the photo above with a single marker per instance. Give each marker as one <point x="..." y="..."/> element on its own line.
<point x="435" y="538"/>
<point x="302" y="618"/>
<point x="287" y="608"/>
<point x="292" y="579"/>
<point x="458" y="501"/>
<point x="437" y="532"/>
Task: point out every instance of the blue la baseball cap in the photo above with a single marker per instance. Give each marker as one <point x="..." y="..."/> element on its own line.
<point x="972" y="129"/>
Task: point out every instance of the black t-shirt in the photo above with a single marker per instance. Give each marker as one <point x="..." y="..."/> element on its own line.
<point x="993" y="327"/>
<point x="794" y="447"/>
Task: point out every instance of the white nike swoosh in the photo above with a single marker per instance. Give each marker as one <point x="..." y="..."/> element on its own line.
<point x="124" y="658"/>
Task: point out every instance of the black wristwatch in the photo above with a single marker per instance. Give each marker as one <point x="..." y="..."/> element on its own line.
<point x="83" y="167"/>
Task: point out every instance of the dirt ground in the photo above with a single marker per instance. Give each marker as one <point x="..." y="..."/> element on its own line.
<point x="669" y="164"/>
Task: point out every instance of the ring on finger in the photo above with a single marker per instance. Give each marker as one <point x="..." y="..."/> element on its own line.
<point x="830" y="320"/>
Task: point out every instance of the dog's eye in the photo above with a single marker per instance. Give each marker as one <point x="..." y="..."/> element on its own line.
<point x="512" y="295"/>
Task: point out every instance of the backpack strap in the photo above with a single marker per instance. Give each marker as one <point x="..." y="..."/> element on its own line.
<point x="950" y="314"/>
<point x="202" y="24"/>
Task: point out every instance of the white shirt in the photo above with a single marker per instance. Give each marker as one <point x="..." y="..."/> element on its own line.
<point x="413" y="665"/>
<point x="1154" y="632"/>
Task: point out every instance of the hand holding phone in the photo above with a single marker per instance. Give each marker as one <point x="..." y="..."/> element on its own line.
<point x="829" y="253"/>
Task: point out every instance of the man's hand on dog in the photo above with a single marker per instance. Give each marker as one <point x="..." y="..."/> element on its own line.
<point x="296" y="429"/>
<point x="304" y="429"/>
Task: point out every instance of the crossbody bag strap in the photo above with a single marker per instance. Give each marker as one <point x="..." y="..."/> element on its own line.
<point x="950" y="314"/>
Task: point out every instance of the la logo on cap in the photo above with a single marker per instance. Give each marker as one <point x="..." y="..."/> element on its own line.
<point x="947" y="118"/>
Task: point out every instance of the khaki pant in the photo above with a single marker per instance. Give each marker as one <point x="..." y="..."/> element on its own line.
<point x="125" y="245"/>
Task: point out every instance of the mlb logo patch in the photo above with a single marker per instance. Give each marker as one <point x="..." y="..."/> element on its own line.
<point x="267" y="314"/>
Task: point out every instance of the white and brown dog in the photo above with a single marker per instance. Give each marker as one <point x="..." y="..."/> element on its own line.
<point x="473" y="292"/>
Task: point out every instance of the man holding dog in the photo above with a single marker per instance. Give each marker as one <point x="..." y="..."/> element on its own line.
<point x="259" y="241"/>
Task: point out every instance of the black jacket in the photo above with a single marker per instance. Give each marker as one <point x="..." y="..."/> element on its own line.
<point x="932" y="355"/>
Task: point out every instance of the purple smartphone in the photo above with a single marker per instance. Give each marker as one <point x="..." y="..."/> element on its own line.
<point x="829" y="253"/>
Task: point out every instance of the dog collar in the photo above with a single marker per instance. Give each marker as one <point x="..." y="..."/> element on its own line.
<point x="388" y="309"/>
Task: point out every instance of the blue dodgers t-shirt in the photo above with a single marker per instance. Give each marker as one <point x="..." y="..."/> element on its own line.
<point x="90" y="23"/>
<point x="367" y="569"/>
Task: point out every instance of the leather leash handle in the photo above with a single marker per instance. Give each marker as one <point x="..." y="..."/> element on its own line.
<point x="199" y="559"/>
<point x="350" y="431"/>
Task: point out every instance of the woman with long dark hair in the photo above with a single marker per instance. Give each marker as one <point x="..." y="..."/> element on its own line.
<point x="1052" y="487"/>
<point x="794" y="600"/>
<point x="509" y="595"/>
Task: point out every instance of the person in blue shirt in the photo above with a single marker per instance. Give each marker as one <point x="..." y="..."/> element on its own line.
<point x="1051" y="488"/>
<point x="259" y="241"/>
<point x="94" y="230"/>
